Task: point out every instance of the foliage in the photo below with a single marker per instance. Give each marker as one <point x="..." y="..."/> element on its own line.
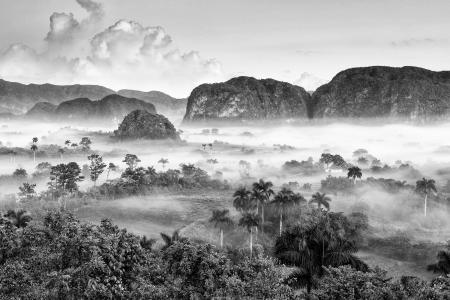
<point x="311" y="245"/>
<point x="96" y="167"/>
<point x="347" y="283"/>
<point x="62" y="258"/>
<point x="65" y="177"/>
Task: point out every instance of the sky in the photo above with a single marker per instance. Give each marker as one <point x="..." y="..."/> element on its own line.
<point x="175" y="45"/>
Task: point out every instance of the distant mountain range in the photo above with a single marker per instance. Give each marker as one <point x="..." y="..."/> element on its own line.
<point x="164" y="103"/>
<point x="371" y="92"/>
<point x="111" y="107"/>
<point x="18" y="98"/>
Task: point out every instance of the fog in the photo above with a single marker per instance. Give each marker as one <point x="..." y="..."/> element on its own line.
<point x="265" y="150"/>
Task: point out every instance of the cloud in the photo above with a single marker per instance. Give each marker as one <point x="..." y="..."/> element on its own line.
<point x="414" y="42"/>
<point x="126" y="54"/>
<point x="309" y="81"/>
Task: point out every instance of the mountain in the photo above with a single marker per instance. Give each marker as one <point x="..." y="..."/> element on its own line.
<point x="163" y="102"/>
<point x="112" y="107"/>
<point x="144" y="124"/>
<point x="247" y="98"/>
<point x="18" y="98"/>
<point x="42" y="110"/>
<point x="407" y="92"/>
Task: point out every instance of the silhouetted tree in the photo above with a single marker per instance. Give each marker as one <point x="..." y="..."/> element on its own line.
<point x="221" y="219"/>
<point x="425" y="186"/>
<point x="321" y="200"/>
<point x="249" y="221"/>
<point x="262" y="191"/>
<point x="96" y="167"/>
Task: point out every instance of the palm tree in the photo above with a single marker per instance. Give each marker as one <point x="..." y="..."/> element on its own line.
<point x="321" y="200"/>
<point x="425" y="186"/>
<point x="34" y="149"/>
<point x="163" y="161"/>
<point x="285" y="199"/>
<point x="308" y="249"/>
<point x="221" y="219"/>
<point x="262" y="190"/>
<point x="170" y="240"/>
<point x="147" y="243"/>
<point x="250" y="220"/>
<point x="20" y="218"/>
<point x="35" y="140"/>
<point x="242" y="200"/>
<point x="61" y="153"/>
<point x="67" y="143"/>
<point x="354" y="172"/>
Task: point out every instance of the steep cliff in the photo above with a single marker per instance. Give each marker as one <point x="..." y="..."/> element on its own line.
<point x="143" y="124"/>
<point x="247" y="98"/>
<point x="407" y="92"/>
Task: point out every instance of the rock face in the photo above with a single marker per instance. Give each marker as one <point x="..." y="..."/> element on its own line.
<point x="247" y="98"/>
<point x="163" y="102"/>
<point x="111" y="107"/>
<point x="406" y="92"/>
<point x="141" y="124"/>
<point x="18" y="98"/>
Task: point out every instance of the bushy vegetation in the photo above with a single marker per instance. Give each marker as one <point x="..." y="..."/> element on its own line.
<point x="62" y="258"/>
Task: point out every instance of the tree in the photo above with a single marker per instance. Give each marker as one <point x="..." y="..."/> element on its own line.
<point x="111" y="167"/>
<point x="425" y="186"/>
<point x="221" y="219"/>
<point x="61" y="153"/>
<point x="249" y="221"/>
<point x="27" y="191"/>
<point x="316" y="244"/>
<point x="327" y="159"/>
<point x="43" y="167"/>
<point x="85" y="143"/>
<point x="66" y="177"/>
<point x="212" y="161"/>
<point x="96" y="167"/>
<point x="67" y="143"/>
<point x="354" y="172"/>
<point x="20" y="173"/>
<point x="19" y="218"/>
<point x="170" y="240"/>
<point x="321" y="200"/>
<point x="242" y="200"/>
<point x="35" y="140"/>
<point x="34" y="148"/>
<point x="131" y="161"/>
<point x="442" y="266"/>
<point x="163" y="161"/>
<point x="285" y="199"/>
<point x="262" y="191"/>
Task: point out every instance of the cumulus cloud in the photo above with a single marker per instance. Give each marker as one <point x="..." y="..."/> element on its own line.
<point x="309" y="81"/>
<point x="126" y="54"/>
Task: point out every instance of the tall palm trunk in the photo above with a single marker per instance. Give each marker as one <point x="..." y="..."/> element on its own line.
<point x="251" y="243"/>
<point x="221" y="238"/>
<point x="262" y="218"/>
<point x="425" y="205"/>
<point x="34" y="156"/>
<point x="281" y="223"/>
